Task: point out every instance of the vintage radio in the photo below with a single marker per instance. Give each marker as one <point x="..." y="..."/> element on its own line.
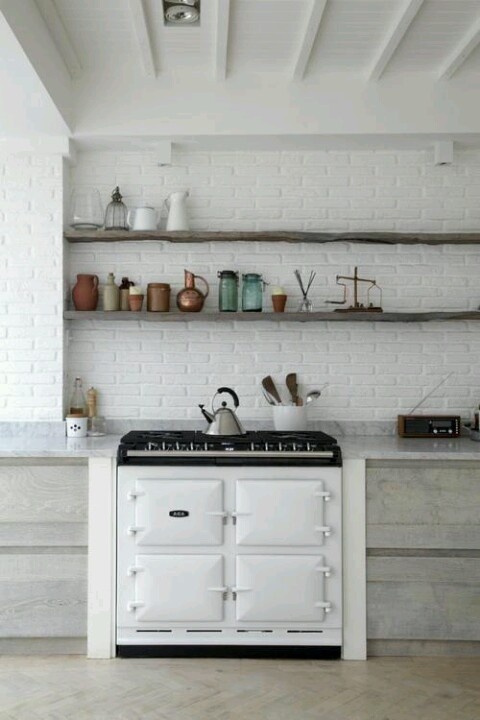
<point x="428" y="426"/>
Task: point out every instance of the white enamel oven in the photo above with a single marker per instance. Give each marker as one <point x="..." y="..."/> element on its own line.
<point x="229" y="556"/>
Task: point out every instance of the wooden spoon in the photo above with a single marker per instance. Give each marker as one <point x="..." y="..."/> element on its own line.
<point x="271" y="388"/>
<point x="291" y="382"/>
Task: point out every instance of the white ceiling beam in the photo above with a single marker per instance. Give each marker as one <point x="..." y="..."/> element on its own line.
<point x="31" y="33"/>
<point x="60" y="36"/>
<point x="221" y="39"/>
<point x="463" y="50"/>
<point x="310" y="33"/>
<point x="139" y="18"/>
<point x="405" y="18"/>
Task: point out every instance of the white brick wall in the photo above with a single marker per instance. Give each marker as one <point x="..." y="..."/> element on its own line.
<point x="30" y="287"/>
<point x="374" y="370"/>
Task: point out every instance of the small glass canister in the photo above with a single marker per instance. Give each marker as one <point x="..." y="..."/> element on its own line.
<point x="228" y="291"/>
<point x="116" y="213"/>
<point x="158" y="297"/>
<point x="252" y="292"/>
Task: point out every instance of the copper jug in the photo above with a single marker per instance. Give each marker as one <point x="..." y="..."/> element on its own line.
<point x="190" y="299"/>
<point x="85" y="292"/>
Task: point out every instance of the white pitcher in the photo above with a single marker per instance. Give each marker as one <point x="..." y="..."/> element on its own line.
<point x="177" y="211"/>
<point x="143" y="218"/>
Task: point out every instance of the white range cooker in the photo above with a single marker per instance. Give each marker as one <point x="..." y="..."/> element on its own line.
<point x="229" y="545"/>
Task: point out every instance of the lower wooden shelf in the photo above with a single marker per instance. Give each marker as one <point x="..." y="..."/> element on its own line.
<point x="331" y="316"/>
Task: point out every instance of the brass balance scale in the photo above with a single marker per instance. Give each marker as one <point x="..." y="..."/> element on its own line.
<point x="357" y="306"/>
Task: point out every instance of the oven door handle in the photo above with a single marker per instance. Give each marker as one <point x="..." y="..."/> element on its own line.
<point x="325" y="529"/>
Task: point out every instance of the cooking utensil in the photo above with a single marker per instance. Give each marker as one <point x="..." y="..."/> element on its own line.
<point x="269" y="398"/>
<point x="315" y="394"/>
<point x="291" y="383"/>
<point x="271" y="388"/>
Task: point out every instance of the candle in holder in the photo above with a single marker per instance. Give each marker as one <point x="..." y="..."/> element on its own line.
<point x="279" y="299"/>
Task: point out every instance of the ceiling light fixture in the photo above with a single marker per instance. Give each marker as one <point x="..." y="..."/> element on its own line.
<point x="182" y="12"/>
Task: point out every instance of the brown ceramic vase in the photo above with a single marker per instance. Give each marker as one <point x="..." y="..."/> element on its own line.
<point x="85" y="292"/>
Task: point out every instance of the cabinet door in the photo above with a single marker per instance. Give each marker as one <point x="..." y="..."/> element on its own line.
<point x="178" y="512"/>
<point x="280" y="512"/>
<point x="178" y="588"/>
<point x="280" y="588"/>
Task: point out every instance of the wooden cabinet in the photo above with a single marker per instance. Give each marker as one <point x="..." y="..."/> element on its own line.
<point x="43" y="555"/>
<point x="423" y="557"/>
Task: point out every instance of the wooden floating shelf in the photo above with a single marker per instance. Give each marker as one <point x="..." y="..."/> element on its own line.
<point x="383" y="238"/>
<point x="278" y="317"/>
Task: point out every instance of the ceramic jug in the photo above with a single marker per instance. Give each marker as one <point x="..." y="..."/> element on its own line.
<point x="85" y="292"/>
<point x="190" y="299"/>
<point x="177" y="211"/>
<point x="142" y="218"/>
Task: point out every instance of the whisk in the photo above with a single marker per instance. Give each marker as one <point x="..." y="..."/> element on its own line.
<point x="306" y="305"/>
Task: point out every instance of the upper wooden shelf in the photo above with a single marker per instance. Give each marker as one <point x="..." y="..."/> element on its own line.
<point x="207" y="316"/>
<point x="385" y="238"/>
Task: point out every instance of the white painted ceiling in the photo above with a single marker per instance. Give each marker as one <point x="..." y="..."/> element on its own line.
<point x="299" y="71"/>
<point x="265" y="36"/>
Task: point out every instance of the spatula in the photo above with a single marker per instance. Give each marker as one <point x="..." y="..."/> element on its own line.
<point x="291" y="382"/>
<point x="271" y="388"/>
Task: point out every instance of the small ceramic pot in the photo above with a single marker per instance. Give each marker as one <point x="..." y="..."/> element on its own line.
<point x="279" y="302"/>
<point x="76" y="425"/>
<point x="135" y="302"/>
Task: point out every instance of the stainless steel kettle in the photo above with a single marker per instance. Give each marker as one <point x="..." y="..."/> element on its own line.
<point x="223" y="421"/>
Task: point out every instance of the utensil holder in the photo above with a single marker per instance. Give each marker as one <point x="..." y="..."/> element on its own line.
<point x="76" y="425"/>
<point x="289" y="417"/>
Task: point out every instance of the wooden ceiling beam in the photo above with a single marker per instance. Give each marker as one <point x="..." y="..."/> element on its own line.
<point x="221" y="39"/>
<point x="309" y="35"/>
<point x="463" y="50"/>
<point x="60" y="36"/>
<point x="397" y="33"/>
<point x="142" y="35"/>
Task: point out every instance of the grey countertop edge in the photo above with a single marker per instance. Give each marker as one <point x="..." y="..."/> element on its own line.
<point x="368" y="447"/>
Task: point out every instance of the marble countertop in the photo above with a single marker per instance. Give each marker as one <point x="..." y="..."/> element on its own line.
<point x="371" y="447"/>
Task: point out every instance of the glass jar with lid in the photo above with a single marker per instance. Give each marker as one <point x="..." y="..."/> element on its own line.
<point x="228" y="291"/>
<point x="252" y="292"/>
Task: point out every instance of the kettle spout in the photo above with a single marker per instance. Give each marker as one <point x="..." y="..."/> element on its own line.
<point x="208" y="416"/>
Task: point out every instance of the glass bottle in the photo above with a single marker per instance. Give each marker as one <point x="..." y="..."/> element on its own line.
<point x="86" y="209"/>
<point x="116" y="213"/>
<point x="78" y="405"/>
<point x="228" y="291"/>
<point x="252" y="292"/>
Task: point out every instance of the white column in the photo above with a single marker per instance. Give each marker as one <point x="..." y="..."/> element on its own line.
<point x="354" y="561"/>
<point x="101" y="557"/>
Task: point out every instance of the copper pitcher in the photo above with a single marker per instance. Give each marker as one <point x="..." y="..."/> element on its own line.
<point x="190" y="299"/>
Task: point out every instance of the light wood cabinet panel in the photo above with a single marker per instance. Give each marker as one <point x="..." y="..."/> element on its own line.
<point x="43" y="595"/>
<point x="423" y="505"/>
<point x="423" y="598"/>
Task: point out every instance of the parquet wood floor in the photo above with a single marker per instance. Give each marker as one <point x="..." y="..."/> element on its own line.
<point x="74" y="688"/>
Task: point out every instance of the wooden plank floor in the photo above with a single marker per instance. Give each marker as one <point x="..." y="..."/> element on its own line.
<point x="380" y="689"/>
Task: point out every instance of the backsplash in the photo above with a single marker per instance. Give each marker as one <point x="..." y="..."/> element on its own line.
<point x="150" y="370"/>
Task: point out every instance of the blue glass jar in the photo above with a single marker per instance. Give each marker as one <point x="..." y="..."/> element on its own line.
<point x="252" y="292"/>
<point x="228" y="291"/>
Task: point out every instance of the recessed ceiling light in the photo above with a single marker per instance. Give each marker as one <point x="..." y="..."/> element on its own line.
<point x="181" y="14"/>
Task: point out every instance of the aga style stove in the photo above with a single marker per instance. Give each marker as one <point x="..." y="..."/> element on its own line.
<point x="229" y="544"/>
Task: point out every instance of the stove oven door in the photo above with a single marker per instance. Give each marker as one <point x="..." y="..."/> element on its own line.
<point x="281" y="588"/>
<point x="276" y="512"/>
<point x="178" y="512"/>
<point x="176" y="588"/>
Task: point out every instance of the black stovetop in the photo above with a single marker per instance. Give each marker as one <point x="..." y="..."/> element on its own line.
<point x="258" y="447"/>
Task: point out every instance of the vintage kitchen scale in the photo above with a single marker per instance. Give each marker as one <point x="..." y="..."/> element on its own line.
<point x="357" y="305"/>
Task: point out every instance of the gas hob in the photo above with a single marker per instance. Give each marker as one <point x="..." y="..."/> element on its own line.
<point x="257" y="448"/>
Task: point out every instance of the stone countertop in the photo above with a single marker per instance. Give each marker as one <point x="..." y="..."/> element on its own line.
<point x="371" y="447"/>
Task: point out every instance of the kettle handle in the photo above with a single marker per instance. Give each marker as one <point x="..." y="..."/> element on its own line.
<point x="231" y="392"/>
<point x="199" y="277"/>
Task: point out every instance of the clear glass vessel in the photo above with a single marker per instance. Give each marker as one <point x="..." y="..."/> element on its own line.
<point x="228" y="291"/>
<point x="252" y="292"/>
<point x="116" y="213"/>
<point x="86" y="209"/>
